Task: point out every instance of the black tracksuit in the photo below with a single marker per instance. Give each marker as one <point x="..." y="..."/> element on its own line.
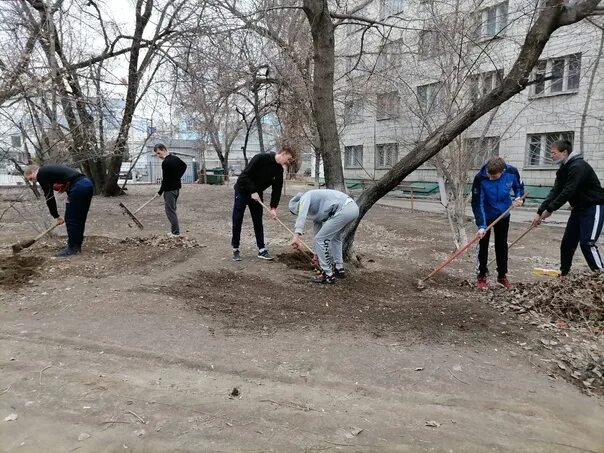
<point x="577" y="183"/>
<point x="79" y="196"/>
<point x="261" y="172"/>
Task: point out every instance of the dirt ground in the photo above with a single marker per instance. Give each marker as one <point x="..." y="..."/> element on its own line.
<point x="144" y="343"/>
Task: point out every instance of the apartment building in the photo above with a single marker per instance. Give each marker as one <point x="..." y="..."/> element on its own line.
<point x="401" y="81"/>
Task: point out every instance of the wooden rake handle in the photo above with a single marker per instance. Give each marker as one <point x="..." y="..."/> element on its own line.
<point x="139" y="209"/>
<point x="45" y="232"/>
<point x="515" y="240"/>
<point x="458" y="252"/>
<point x="286" y="227"/>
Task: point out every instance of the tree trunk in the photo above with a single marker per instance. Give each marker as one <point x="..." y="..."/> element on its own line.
<point x="112" y="188"/>
<point x="258" y="119"/>
<point x="553" y="16"/>
<point x="322" y="30"/>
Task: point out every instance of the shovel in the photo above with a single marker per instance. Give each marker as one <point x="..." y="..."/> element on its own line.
<point x="132" y="215"/>
<point x="29" y="242"/>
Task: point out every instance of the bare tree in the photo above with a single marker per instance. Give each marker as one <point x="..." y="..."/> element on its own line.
<point x="553" y="15"/>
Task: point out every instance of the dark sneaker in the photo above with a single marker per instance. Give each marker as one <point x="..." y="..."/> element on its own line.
<point x="504" y="282"/>
<point x="325" y="279"/>
<point x="264" y="255"/>
<point x="68" y="251"/>
<point x="339" y="273"/>
<point x="236" y="255"/>
<point x="482" y="282"/>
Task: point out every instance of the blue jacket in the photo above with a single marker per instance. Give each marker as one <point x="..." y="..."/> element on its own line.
<point x="490" y="199"/>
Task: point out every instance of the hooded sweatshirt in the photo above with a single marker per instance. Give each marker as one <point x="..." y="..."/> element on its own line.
<point x="577" y="183"/>
<point x="317" y="205"/>
<point x="490" y="199"/>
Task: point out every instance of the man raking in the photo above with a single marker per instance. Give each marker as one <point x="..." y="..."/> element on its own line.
<point x="331" y="211"/>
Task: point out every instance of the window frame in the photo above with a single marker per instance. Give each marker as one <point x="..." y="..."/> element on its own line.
<point x="544" y="139"/>
<point x="478" y="82"/>
<point x="432" y="96"/>
<point x="387" y="106"/>
<point x="498" y="15"/>
<point x="16" y="141"/>
<point x="353" y="163"/>
<point x="382" y="164"/>
<point x="543" y="81"/>
<point x="354" y="111"/>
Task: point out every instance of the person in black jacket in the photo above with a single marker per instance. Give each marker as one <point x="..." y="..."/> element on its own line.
<point x="79" y="190"/>
<point x="172" y="169"/>
<point x="263" y="171"/>
<point x="577" y="183"/>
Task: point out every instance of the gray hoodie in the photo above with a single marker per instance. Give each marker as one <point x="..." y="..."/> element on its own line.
<point x="317" y="205"/>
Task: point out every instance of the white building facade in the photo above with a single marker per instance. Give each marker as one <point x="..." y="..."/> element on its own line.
<point x="405" y="81"/>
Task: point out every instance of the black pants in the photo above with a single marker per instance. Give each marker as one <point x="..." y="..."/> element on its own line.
<point x="501" y="248"/>
<point x="243" y="200"/>
<point x="583" y="227"/>
<point x="79" y="197"/>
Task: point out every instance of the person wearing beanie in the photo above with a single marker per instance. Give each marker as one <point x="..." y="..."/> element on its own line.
<point x="331" y="212"/>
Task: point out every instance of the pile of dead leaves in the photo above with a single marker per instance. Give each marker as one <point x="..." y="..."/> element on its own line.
<point x="163" y="242"/>
<point x="569" y="313"/>
<point x="577" y="299"/>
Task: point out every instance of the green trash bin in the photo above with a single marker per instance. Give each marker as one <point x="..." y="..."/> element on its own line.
<point x="215" y="176"/>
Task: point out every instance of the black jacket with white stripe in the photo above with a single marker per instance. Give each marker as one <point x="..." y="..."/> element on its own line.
<point x="577" y="183"/>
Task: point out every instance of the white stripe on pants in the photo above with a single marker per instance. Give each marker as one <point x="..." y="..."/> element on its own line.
<point x="328" y="240"/>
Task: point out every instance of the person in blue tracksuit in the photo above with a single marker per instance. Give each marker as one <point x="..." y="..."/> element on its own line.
<point x="577" y="183"/>
<point x="491" y="198"/>
<point x="79" y="190"/>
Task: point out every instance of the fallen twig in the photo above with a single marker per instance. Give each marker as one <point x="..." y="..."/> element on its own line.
<point x="42" y="371"/>
<point x="138" y="417"/>
<point x="2" y="392"/>
<point x="290" y="404"/>
<point x="451" y="372"/>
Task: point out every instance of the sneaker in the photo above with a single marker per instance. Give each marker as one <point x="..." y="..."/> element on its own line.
<point x="68" y="251"/>
<point x="482" y="282"/>
<point x="325" y="279"/>
<point x="236" y="255"/>
<point x="172" y="235"/>
<point x="339" y="273"/>
<point x="504" y="282"/>
<point x="264" y="255"/>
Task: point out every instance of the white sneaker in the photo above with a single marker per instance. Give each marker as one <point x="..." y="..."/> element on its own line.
<point x="172" y="235"/>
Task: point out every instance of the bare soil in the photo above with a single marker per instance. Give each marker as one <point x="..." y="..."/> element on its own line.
<point x="156" y="344"/>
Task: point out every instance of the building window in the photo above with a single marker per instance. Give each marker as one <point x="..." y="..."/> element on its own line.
<point x="557" y="75"/>
<point x="353" y="156"/>
<point x="390" y="8"/>
<point x="15" y="141"/>
<point x="386" y="155"/>
<point x="391" y="56"/>
<point x="482" y="84"/>
<point x="481" y="149"/>
<point x="490" y="22"/>
<point x="429" y="44"/>
<point x="387" y="105"/>
<point x="538" y="147"/>
<point x="428" y="96"/>
<point x="353" y="111"/>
